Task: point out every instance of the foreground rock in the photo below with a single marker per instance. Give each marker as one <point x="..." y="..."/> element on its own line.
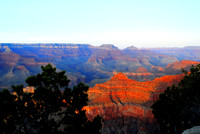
<point x="194" y="130"/>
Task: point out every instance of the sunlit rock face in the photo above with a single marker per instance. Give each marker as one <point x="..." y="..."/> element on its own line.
<point x="176" y="67"/>
<point x="124" y="98"/>
<point x="120" y="90"/>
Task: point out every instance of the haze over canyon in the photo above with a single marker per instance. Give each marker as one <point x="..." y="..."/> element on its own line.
<point x="91" y="64"/>
<point x="124" y="83"/>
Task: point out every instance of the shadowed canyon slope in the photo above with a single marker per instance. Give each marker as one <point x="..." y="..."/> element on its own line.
<point x="82" y="62"/>
<point x="185" y="53"/>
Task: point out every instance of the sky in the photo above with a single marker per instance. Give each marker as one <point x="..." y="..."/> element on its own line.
<point x="140" y="23"/>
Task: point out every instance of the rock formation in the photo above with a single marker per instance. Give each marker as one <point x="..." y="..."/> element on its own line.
<point x="121" y="97"/>
<point x="84" y="62"/>
<point x="193" y="130"/>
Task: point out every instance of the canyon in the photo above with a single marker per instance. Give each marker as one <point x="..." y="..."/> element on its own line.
<point x="87" y="63"/>
<point x="123" y="83"/>
<point x="122" y="99"/>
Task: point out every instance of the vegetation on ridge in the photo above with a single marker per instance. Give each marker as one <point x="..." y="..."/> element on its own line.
<point x="178" y="108"/>
<point x="47" y="109"/>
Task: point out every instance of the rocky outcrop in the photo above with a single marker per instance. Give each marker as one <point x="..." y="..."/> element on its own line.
<point x="122" y="91"/>
<point x="175" y="68"/>
<point x="141" y="70"/>
<point x="29" y="89"/>
<point x="182" y="64"/>
<point x="193" y="130"/>
<point x="108" y="47"/>
<point x="141" y="74"/>
<point x="121" y="97"/>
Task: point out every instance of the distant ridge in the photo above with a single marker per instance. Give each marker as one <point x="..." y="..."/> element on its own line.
<point x="87" y="63"/>
<point x="103" y="46"/>
<point x="192" y="47"/>
<point x="184" y="53"/>
<point x="43" y="45"/>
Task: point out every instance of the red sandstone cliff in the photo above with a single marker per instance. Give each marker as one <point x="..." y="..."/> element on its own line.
<point x="123" y="97"/>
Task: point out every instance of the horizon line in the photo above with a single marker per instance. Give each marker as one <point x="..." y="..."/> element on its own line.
<point x="65" y="43"/>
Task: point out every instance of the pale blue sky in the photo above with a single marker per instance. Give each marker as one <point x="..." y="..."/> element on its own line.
<point x="142" y="23"/>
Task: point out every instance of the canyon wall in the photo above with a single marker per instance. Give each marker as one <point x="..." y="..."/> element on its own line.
<point x="124" y="104"/>
<point x="82" y="62"/>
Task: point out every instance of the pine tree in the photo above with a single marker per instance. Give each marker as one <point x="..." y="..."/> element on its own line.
<point x="178" y="108"/>
<point x="52" y="108"/>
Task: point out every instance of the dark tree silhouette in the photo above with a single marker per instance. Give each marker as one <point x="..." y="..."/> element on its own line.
<point x="7" y="110"/>
<point x="52" y="108"/>
<point x="178" y="108"/>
